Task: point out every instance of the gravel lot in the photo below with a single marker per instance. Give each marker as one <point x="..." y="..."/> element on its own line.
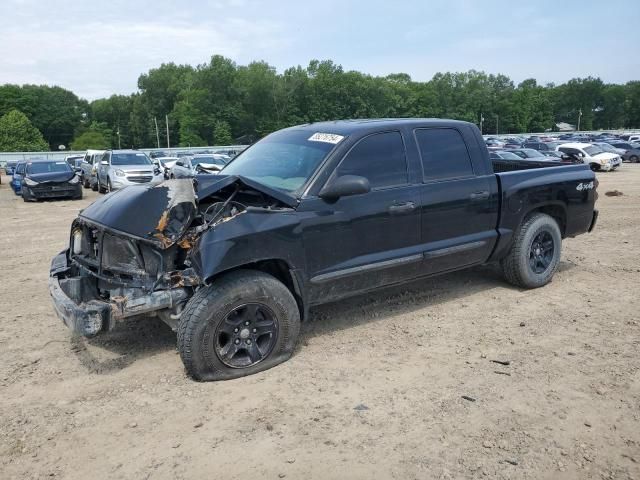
<point x="374" y="390"/>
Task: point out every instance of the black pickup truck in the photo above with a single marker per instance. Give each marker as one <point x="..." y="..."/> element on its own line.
<point x="308" y="215"/>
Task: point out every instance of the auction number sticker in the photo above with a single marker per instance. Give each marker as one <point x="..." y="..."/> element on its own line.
<point x="326" y="137"/>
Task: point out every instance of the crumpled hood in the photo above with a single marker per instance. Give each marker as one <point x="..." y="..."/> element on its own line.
<point x="52" y="176"/>
<point x="162" y="213"/>
<point x="159" y="214"/>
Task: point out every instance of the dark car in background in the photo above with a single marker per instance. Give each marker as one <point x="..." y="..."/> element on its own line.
<point x="535" y="145"/>
<point x="74" y="162"/>
<point x="50" y="179"/>
<point x="503" y="155"/>
<point x="16" y="179"/>
<point x="10" y="167"/>
<point x="632" y="151"/>
<point x="529" y="153"/>
<point x="552" y="154"/>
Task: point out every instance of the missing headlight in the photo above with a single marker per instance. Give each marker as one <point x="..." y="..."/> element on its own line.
<point x="121" y="254"/>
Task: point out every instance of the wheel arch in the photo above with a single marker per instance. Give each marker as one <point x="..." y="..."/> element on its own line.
<point x="557" y="211"/>
<point x="277" y="268"/>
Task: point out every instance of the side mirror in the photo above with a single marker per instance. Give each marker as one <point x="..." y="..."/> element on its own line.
<point x="104" y="162"/>
<point x="345" y="186"/>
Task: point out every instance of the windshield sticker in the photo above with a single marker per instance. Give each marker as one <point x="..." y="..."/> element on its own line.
<point x="326" y="137"/>
<point x="60" y="163"/>
<point x="140" y="154"/>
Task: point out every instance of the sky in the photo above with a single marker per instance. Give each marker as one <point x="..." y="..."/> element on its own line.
<point x="98" y="48"/>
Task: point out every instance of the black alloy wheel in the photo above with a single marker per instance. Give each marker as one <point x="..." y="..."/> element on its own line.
<point x="246" y="336"/>
<point x="541" y="252"/>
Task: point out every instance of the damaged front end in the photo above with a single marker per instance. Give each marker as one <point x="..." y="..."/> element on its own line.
<point x="133" y="253"/>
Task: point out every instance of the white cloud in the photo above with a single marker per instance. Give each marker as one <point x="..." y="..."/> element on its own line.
<point x="96" y="58"/>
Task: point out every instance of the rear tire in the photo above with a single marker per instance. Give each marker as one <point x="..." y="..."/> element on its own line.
<point x="535" y="253"/>
<point x="85" y="183"/>
<point x="245" y="322"/>
<point x="633" y="159"/>
<point x="101" y="189"/>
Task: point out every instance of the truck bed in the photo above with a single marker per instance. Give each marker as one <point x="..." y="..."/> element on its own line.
<point x="512" y="165"/>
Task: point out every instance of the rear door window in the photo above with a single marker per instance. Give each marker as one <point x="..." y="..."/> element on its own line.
<point x="444" y="154"/>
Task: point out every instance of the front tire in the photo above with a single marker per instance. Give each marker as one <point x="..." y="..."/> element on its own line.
<point x="101" y="189"/>
<point x="535" y="253"/>
<point x="245" y="322"/>
<point x="634" y="159"/>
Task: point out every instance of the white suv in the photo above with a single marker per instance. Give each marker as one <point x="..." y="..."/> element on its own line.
<point x="597" y="158"/>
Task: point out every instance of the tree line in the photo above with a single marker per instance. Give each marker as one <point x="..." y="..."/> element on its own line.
<point x="220" y="102"/>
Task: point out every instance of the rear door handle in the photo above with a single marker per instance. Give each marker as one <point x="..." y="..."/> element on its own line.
<point x="400" y="208"/>
<point x="479" y="196"/>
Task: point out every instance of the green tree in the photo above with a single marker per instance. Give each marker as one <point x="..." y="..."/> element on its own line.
<point x="222" y="133"/>
<point x="17" y="134"/>
<point x="96" y="136"/>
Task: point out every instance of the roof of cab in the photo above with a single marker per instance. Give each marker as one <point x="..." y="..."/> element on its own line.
<point x="346" y="127"/>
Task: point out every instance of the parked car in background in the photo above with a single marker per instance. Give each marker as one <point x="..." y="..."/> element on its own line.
<point x="593" y="155"/>
<point x="165" y="164"/>
<point x="607" y="147"/>
<point x="503" y="155"/>
<point x="530" y="153"/>
<point x="513" y="143"/>
<point x="158" y="154"/>
<point x="50" y="179"/>
<point x="122" y="168"/>
<point x="536" y="145"/>
<point x="10" y="166"/>
<point x="74" y="162"/>
<point x="631" y="138"/>
<point x="88" y="168"/>
<point x="631" y="151"/>
<point x="17" y="176"/>
<point x="210" y="163"/>
<point x="206" y="163"/>
<point x="552" y="154"/>
<point x="494" y="143"/>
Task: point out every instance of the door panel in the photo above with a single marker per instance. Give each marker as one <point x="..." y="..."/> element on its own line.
<point x="459" y="201"/>
<point x="458" y="223"/>
<point x="361" y="242"/>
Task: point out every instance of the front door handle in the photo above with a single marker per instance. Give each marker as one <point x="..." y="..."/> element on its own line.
<point x="479" y="196"/>
<point x="400" y="208"/>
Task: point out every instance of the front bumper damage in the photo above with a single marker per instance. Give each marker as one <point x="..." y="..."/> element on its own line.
<point x="135" y="252"/>
<point x="84" y="312"/>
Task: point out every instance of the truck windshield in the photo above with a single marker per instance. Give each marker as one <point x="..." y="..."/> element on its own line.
<point x="284" y="160"/>
<point x="130" y="159"/>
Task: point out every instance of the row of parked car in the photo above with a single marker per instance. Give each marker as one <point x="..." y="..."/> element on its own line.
<point x="104" y="171"/>
<point x="603" y="152"/>
<point x="107" y="170"/>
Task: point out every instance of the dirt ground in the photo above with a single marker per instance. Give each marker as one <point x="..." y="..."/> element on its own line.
<point x="374" y="390"/>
